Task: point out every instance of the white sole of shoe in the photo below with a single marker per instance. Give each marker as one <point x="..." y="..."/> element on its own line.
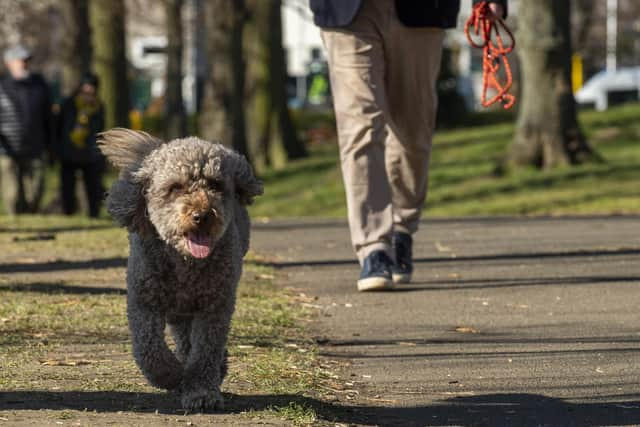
<point x="401" y="278"/>
<point x="375" y="284"/>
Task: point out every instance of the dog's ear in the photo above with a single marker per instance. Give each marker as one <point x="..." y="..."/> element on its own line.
<point x="247" y="185"/>
<point x="127" y="205"/>
<point x="126" y="202"/>
<point x="126" y="148"/>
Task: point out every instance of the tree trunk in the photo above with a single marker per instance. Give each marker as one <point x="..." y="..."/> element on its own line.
<point x="275" y="139"/>
<point x="176" y="123"/>
<point x="547" y="131"/>
<point x="109" y="59"/>
<point x="222" y="117"/>
<point x="75" y="50"/>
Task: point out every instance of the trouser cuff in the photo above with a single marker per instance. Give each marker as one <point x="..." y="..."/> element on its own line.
<point x="364" y="251"/>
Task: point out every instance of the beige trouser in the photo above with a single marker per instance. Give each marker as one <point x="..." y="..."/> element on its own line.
<point x="22" y="184"/>
<point x="383" y="76"/>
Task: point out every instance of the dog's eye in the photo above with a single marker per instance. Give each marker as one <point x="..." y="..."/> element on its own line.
<point x="215" y="184"/>
<point x="176" y="188"/>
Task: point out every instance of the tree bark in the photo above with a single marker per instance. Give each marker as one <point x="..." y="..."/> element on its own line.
<point x="107" y="19"/>
<point x="275" y="140"/>
<point x="547" y="132"/>
<point x="176" y="123"/>
<point x="76" y="43"/>
<point x="222" y="117"/>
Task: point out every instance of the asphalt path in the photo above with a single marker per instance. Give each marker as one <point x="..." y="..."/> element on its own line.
<point x="508" y="321"/>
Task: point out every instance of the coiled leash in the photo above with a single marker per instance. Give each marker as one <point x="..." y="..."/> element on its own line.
<point x="494" y="54"/>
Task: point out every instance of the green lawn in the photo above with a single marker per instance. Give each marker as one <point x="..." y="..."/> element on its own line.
<point x="462" y="182"/>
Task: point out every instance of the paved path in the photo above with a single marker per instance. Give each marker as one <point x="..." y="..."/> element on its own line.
<point x="509" y="321"/>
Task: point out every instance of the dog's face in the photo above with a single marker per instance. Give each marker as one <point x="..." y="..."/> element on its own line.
<point x="190" y="193"/>
<point x="186" y="189"/>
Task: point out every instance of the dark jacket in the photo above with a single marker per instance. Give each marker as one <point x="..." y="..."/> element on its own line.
<point x="412" y="13"/>
<point x="66" y="149"/>
<point x="30" y="99"/>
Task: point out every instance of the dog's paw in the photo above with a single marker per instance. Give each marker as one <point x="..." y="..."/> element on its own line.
<point x="165" y="376"/>
<point x="202" y="400"/>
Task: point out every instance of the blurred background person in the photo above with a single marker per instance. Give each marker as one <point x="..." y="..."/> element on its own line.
<point x="25" y="132"/>
<point x="81" y="119"/>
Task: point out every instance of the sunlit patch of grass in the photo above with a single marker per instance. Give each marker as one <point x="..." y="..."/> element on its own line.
<point x="298" y="414"/>
<point x="66" y="331"/>
<point x="462" y="179"/>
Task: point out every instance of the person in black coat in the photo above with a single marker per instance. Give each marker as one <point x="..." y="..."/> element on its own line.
<point x="384" y="58"/>
<point x="25" y="132"/>
<point x="412" y="13"/>
<point x="81" y="119"/>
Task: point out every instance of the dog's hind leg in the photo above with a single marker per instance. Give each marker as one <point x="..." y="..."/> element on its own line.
<point x="156" y="361"/>
<point x="181" y="331"/>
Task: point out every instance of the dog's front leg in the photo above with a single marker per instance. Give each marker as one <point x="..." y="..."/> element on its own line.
<point x="206" y="364"/>
<point x="156" y="361"/>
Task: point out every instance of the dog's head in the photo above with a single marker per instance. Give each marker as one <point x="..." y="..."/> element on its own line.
<point x="185" y="189"/>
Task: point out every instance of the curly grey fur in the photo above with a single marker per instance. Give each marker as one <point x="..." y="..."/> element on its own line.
<point x="161" y="186"/>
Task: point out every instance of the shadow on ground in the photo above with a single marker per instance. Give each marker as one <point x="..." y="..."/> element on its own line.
<point x="39" y="267"/>
<point x="490" y="409"/>
<point x="587" y="253"/>
<point x="61" y="288"/>
<point x="71" y="228"/>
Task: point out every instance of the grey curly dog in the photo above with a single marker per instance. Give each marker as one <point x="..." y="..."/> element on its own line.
<point x="184" y="204"/>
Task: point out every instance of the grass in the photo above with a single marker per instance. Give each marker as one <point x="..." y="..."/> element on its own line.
<point x="462" y="182"/>
<point x="63" y="329"/>
<point x="297" y="413"/>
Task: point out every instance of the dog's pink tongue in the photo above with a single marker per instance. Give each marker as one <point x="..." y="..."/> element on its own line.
<point x="199" y="245"/>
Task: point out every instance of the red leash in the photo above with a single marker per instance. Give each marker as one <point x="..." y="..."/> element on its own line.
<point x="494" y="54"/>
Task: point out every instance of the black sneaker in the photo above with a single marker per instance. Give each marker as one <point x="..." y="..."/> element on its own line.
<point x="403" y="267"/>
<point x="376" y="272"/>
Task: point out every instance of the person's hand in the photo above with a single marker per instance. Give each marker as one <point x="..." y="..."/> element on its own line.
<point x="496" y="11"/>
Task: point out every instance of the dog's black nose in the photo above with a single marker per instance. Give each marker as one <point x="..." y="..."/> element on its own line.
<point x="199" y="217"/>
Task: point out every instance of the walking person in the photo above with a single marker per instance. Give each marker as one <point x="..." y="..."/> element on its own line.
<point x="25" y="132"/>
<point x="384" y="59"/>
<point x="81" y="119"/>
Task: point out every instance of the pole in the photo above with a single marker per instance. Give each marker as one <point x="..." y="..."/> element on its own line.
<point x="612" y="34"/>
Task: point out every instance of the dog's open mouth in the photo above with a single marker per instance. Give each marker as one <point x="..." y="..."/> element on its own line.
<point x="199" y="244"/>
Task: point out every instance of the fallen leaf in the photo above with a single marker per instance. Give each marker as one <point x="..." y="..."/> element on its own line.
<point x="441" y="248"/>
<point x="466" y="330"/>
<point x="54" y="362"/>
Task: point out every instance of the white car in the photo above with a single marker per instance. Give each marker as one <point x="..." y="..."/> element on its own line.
<point x="623" y="83"/>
